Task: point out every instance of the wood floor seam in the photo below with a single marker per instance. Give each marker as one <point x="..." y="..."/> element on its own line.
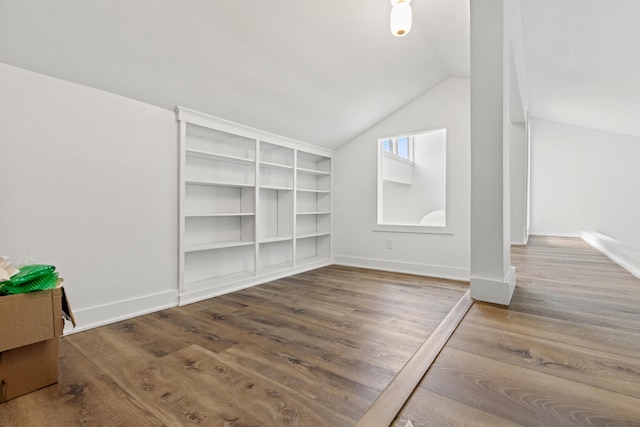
<point x="387" y="406"/>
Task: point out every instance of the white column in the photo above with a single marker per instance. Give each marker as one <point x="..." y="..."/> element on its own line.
<point x="492" y="277"/>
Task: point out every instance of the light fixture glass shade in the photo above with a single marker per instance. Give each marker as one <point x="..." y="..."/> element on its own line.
<point x="401" y="17"/>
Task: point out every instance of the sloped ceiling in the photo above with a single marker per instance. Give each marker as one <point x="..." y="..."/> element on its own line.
<point x="583" y="62"/>
<point x="323" y="71"/>
<point x="317" y="71"/>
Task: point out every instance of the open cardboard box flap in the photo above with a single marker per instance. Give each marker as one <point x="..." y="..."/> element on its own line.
<point x="66" y="307"/>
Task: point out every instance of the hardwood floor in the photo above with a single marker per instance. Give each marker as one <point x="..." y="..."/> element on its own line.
<point x="565" y="353"/>
<point x="318" y="348"/>
<point x="314" y="349"/>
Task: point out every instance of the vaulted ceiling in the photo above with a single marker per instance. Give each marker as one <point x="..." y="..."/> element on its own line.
<point x="318" y="71"/>
<point x="583" y="62"/>
<point x="322" y="71"/>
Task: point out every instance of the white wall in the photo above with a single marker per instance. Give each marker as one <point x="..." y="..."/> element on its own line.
<point x="440" y="255"/>
<point x="90" y="185"/>
<point x="584" y="180"/>
<point x="518" y="153"/>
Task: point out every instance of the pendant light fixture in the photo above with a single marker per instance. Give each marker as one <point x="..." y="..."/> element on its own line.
<point x="401" y="17"/>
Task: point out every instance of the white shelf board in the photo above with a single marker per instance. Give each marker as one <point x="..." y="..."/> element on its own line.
<point x="217" y="245"/>
<point x="218" y="214"/>
<point x="214" y="156"/>
<point x="275" y="187"/>
<point x="276" y="165"/>
<point x="272" y="239"/>
<point x="311" y="190"/>
<point x="313" y="171"/>
<point x="219" y="184"/>
<point x="314" y="213"/>
<point x="309" y="235"/>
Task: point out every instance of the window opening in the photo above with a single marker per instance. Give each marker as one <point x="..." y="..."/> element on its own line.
<point x="412" y="181"/>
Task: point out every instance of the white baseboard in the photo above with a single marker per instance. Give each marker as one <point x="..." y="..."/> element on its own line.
<point x="624" y="255"/>
<point x="494" y="291"/>
<point x="100" y="315"/>
<point x="439" y="271"/>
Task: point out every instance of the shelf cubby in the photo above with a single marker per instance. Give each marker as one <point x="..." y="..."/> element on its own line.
<point x="313" y="182"/>
<point x="313" y="224"/>
<point x="216" y="142"/>
<point x="202" y="200"/>
<point x="312" y="201"/>
<point x="275" y="214"/>
<point x="312" y="248"/>
<point x="276" y="177"/>
<point x="276" y="156"/>
<point x="314" y="163"/>
<point x="202" y="232"/>
<point x="216" y="170"/>
<point x="217" y="266"/>
<point x="275" y="256"/>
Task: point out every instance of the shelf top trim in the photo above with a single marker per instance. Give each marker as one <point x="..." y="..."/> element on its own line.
<point x="206" y="120"/>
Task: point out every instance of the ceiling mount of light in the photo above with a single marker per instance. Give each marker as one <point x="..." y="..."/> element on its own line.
<point x="400" y="17"/>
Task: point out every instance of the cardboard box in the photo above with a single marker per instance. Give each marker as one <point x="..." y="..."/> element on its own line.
<point x="28" y="368"/>
<point x="30" y="327"/>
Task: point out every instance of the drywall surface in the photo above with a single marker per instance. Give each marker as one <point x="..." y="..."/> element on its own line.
<point x="90" y="185"/>
<point x="518" y="153"/>
<point x="354" y="191"/>
<point x="584" y="180"/>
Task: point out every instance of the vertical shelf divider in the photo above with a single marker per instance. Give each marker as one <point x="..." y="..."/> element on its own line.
<point x="182" y="138"/>
<point x="295" y="207"/>
<point x="256" y="206"/>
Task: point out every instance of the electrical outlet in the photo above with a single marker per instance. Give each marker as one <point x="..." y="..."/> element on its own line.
<point x="389" y="244"/>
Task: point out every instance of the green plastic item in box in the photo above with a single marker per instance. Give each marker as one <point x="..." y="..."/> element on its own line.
<point x="31" y="278"/>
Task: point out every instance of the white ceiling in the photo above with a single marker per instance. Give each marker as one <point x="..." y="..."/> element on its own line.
<point x="317" y="71"/>
<point x="322" y="71"/>
<point x="583" y="62"/>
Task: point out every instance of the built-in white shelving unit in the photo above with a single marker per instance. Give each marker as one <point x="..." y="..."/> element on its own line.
<point x="253" y="206"/>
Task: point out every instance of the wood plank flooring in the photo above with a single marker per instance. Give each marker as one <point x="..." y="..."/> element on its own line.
<point x="318" y="348"/>
<point x="565" y="353"/>
<point x="315" y="349"/>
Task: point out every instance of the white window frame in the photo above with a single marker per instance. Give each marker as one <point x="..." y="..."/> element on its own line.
<point x="377" y="225"/>
<point x="394" y="147"/>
